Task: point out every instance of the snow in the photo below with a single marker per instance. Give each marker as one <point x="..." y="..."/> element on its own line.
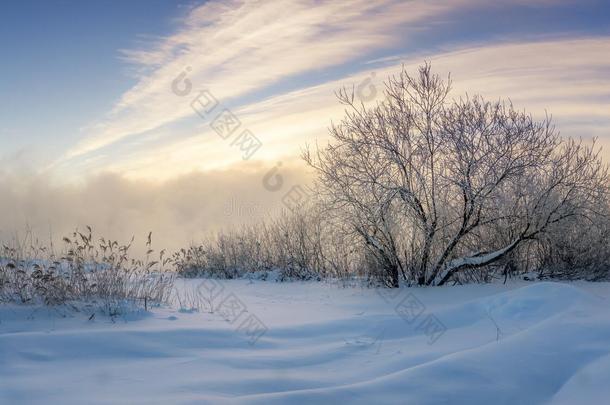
<point x="476" y="260"/>
<point x="534" y="343"/>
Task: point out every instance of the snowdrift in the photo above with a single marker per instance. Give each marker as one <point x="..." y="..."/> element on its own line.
<point x="542" y="343"/>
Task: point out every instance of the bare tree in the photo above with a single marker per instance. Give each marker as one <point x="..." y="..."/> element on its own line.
<point x="423" y="180"/>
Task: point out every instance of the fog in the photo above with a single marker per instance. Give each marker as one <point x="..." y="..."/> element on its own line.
<point x="177" y="212"/>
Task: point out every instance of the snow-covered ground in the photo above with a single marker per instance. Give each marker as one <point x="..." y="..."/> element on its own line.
<point x="523" y="343"/>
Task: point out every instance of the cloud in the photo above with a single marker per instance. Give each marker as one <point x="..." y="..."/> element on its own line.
<point x="566" y="77"/>
<point x="240" y="47"/>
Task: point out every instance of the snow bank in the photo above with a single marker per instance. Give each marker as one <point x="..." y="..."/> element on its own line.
<point x="521" y="343"/>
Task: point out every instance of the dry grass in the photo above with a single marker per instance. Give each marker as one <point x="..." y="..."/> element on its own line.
<point x="99" y="272"/>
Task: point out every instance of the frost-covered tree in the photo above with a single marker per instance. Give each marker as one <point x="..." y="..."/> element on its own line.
<point x="433" y="187"/>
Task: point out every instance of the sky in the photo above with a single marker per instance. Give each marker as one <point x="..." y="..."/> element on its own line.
<point x="106" y="111"/>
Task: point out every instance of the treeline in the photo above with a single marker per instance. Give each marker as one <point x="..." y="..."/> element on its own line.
<point x="306" y="245"/>
<point x="424" y="190"/>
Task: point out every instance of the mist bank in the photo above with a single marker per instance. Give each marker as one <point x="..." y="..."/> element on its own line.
<point x="178" y="212"/>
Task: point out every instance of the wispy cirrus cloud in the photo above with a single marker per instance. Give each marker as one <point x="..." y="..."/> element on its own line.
<point x="240" y="47"/>
<point x="565" y="77"/>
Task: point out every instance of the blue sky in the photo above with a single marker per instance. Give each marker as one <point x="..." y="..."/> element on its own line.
<point x="61" y="66"/>
<point x="82" y="83"/>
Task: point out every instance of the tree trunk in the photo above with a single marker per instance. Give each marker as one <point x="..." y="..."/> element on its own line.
<point x="394" y="278"/>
